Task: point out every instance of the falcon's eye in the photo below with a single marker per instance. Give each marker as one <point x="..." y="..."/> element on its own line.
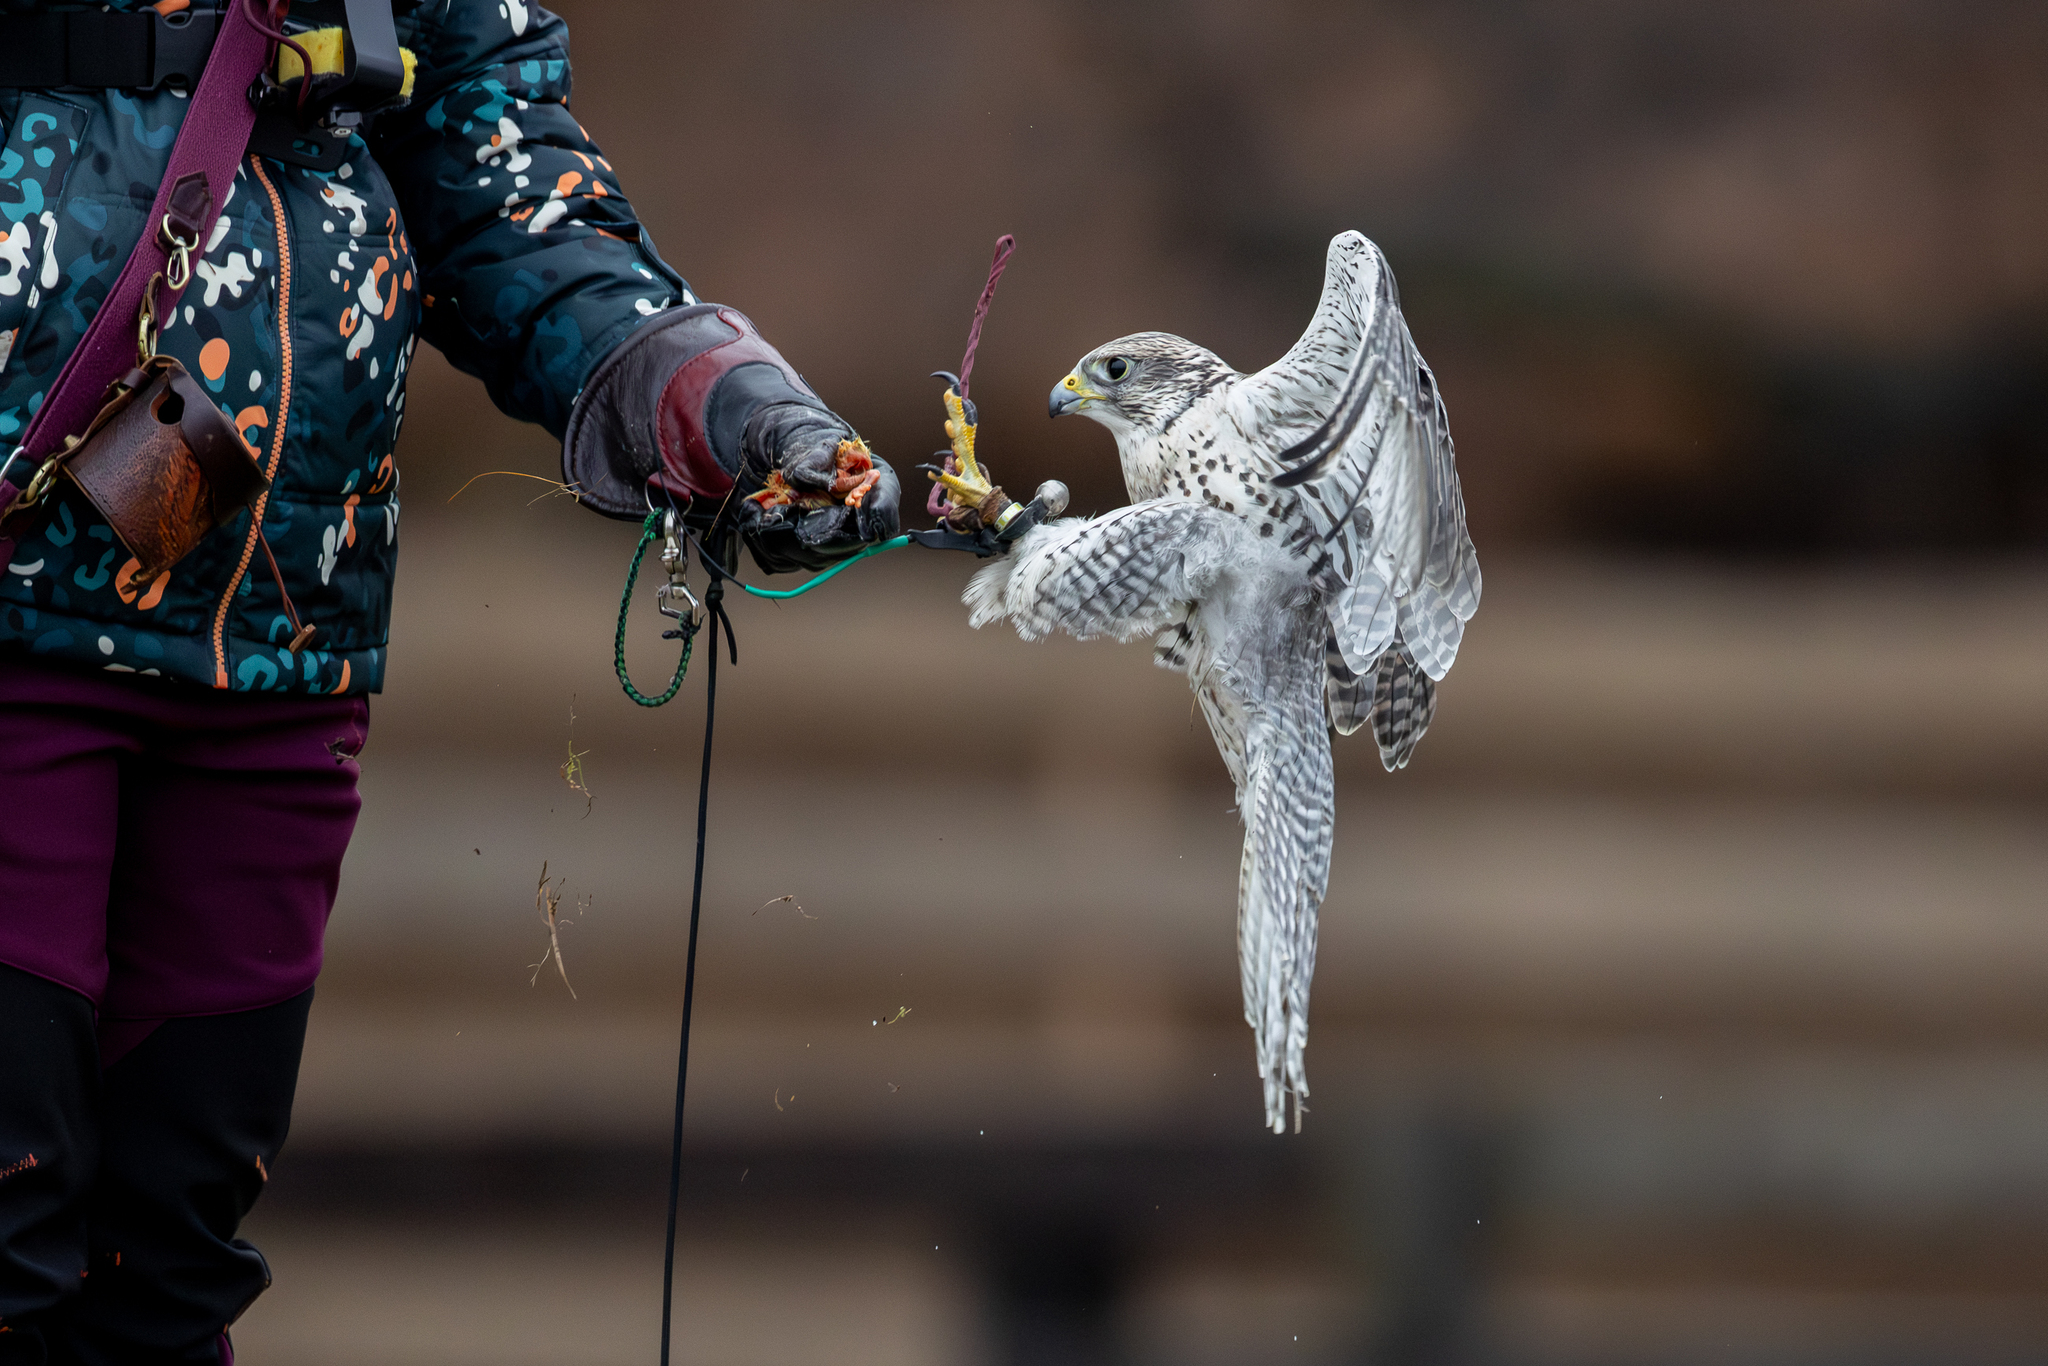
<point x="1117" y="368"/>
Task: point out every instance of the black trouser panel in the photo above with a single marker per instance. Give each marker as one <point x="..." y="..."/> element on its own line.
<point x="188" y="1123"/>
<point x="49" y="1152"/>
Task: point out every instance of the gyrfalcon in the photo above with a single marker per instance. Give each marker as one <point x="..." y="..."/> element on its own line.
<point x="1297" y="545"/>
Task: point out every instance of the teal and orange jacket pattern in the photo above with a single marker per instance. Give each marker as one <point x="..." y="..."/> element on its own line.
<point x="480" y="216"/>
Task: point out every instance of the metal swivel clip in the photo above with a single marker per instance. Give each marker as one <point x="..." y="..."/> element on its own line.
<point x="176" y="274"/>
<point x="675" y="558"/>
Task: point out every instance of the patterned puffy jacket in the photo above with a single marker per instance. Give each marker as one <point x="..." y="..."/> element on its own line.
<point x="480" y="215"/>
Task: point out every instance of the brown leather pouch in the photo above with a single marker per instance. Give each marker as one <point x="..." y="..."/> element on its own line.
<point x="163" y="465"/>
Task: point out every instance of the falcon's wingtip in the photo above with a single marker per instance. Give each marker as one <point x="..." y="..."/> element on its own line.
<point x="1348" y="241"/>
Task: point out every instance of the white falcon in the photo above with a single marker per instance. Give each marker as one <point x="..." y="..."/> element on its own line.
<point x="1298" y="547"/>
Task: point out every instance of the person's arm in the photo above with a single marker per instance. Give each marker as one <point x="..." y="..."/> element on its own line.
<point x="532" y="263"/>
<point x="539" y="279"/>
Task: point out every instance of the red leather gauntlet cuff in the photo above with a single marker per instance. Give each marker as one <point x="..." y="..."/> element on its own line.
<point x="666" y="410"/>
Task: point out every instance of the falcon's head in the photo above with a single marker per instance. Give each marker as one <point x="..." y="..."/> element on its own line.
<point x="1139" y="383"/>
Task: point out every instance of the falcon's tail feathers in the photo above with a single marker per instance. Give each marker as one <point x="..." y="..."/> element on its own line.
<point x="1224" y="712"/>
<point x="1288" y="805"/>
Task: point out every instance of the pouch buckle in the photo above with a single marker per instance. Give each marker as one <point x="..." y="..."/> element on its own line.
<point x="39" y="484"/>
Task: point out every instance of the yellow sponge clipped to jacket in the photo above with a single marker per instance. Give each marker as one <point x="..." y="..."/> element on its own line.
<point x="324" y="46"/>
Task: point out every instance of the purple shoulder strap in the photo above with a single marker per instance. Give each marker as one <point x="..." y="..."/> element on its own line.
<point x="211" y="142"/>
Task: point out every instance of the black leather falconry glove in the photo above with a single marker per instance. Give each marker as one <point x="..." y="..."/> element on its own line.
<point x="697" y="408"/>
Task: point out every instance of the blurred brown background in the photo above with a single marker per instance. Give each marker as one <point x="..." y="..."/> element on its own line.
<point x="1686" y="1001"/>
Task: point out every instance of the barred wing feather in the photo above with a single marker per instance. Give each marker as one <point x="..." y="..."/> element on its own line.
<point x="1124" y="574"/>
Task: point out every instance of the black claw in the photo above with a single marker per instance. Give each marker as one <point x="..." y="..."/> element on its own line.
<point x="952" y="380"/>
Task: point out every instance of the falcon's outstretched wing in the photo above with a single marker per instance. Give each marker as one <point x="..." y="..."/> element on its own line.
<point x="1124" y="574"/>
<point x="1362" y="433"/>
<point x="1136" y="571"/>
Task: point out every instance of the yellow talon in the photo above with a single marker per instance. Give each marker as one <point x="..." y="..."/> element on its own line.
<point x="966" y="493"/>
<point x="966" y="484"/>
<point x="961" y="433"/>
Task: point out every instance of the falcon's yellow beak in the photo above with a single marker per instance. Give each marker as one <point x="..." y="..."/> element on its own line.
<point x="1071" y="395"/>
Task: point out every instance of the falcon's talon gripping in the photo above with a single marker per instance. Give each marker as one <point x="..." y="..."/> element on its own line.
<point x="967" y="484"/>
<point x="977" y="502"/>
<point x="974" y="506"/>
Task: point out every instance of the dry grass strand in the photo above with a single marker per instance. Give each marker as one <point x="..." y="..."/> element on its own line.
<point x="790" y="897"/>
<point x="548" y="901"/>
<point x="556" y="490"/>
<point x="572" y="767"/>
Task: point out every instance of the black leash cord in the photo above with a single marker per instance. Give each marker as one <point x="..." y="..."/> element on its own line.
<point x="714" y="603"/>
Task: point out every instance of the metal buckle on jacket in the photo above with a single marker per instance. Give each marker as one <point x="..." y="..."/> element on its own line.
<point x="179" y="45"/>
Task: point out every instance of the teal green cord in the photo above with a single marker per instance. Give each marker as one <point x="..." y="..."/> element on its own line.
<point x="648" y="531"/>
<point x="809" y="584"/>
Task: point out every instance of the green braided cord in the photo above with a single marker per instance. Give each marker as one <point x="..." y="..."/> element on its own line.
<point x="808" y="585"/>
<point x="648" y="531"/>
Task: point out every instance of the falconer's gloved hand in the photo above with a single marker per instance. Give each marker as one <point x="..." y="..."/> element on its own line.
<point x="696" y="408"/>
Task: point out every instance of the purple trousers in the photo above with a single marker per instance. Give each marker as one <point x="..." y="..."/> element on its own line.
<point x="168" y="859"/>
<point x="168" y="850"/>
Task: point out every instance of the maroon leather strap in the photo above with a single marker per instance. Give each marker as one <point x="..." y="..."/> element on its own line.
<point x="679" y="416"/>
<point x="215" y="133"/>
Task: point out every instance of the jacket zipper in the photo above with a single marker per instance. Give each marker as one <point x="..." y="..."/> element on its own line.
<point x="284" y="406"/>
